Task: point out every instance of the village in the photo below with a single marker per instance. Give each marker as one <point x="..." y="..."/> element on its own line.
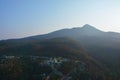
<point x="47" y="68"/>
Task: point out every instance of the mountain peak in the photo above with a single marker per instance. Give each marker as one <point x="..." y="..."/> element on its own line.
<point x="87" y="26"/>
<point x="90" y="30"/>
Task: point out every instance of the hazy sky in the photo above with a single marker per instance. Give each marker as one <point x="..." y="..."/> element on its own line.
<point x="20" y="18"/>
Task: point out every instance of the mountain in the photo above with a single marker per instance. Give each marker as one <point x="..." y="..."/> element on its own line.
<point x="101" y="46"/>
<point x="74" y="32"/>
<point x="104" y="46"/>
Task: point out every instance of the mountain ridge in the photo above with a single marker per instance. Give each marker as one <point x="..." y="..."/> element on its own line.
<point x="85" y="30"/>
<point x="85" y="27"/>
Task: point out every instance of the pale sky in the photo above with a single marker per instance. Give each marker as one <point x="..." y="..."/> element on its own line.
<point x="21" y="18"/>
